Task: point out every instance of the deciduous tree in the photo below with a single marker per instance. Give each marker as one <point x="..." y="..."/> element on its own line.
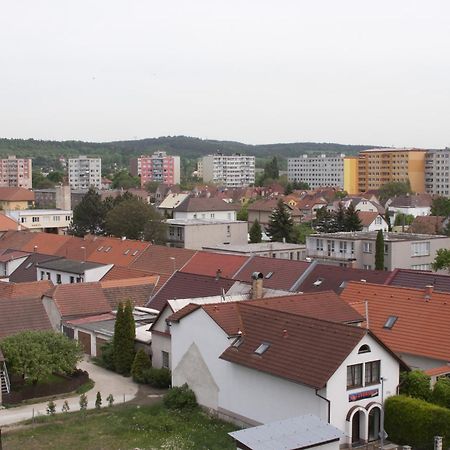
<point x="442" y="260"/>
<point x="89" y="215"/>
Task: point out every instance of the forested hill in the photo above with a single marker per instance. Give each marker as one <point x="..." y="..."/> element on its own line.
<point x="187" y="147"/>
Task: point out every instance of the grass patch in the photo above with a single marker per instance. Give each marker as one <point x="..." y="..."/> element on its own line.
<point x="124" y="427"/>
<point x="85" y="387"/>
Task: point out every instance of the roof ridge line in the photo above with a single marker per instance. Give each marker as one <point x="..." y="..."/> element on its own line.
<point x="250" y="258"/>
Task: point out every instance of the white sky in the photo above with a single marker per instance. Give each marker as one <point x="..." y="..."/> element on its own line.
<point x="256" y="71"/>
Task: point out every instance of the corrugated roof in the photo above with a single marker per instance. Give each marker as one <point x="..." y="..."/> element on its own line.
<point x="423" y="320"/>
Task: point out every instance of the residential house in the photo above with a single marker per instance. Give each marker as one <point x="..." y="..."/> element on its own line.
<point x="413" y="204"/>
<point x="8" y="224"/>
<point x="418" y="280"/>
<point x="26" y="271"/>
<point x="47" y="220"/>
<point x="357" y="249"/>
<point x="205" y="209"/>
<point x="16" y="198"/>
<point x="372" y="221"/>
<point x="163" y="190"/>
<point x="254" y="365"/>
<point x="261" y="210"/>
<point x="172" y="201"/>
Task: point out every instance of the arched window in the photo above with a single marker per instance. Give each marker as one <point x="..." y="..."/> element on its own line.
<point x="364" y="349"/>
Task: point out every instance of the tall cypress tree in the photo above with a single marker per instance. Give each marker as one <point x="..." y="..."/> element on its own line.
<point x="129" y="337"/>
<point x="379" y="251"/>
<point x="118" y="339"/>
<point x="340" y="217"/>
<point x="352" y="221"/>
<point x="280" y="225"/>
<point x="255" y="232"/>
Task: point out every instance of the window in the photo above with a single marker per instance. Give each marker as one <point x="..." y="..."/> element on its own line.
<point x="364" y="349"/>
<point x="420" y="249"/>
<point x="367" y="267"/>
<point x="165" y="359"/>
<point x="386" y="249"/>
<point x="58" y="278"/>
<point x="421" y="267"/>
<point x="48" y="276"/>
<point x="268" y="275"/>
<point x="35" y="219"/>
<point x="367" y="248"/>
<point x="42" y="274"/>
<point x="262" y="348"/>
<point x="319" y="245"/>
<point x="28" y="265"/>
<point x="354" y="376"/>
<point x="390" y="322"/>
<point x="72" y="280"/>
<point x="372" y="372"/>
<point x="342" y="247"/>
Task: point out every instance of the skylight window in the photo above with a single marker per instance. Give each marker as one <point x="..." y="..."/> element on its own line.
<point x="318" y="282"/>
<point x="135" y="252"/>
<point x="262" y="348"/>
<point x="28" y="265"/>
<point x="107" y="249"/>
<point x="126" y="252"/>
<point x="390" y="322"/>
<point x="100" y="249"/>
<point x="268" y="275"/>
<point x="237" y="342"/>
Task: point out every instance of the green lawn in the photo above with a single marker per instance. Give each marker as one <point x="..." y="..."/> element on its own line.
<point x="124" y="427"/>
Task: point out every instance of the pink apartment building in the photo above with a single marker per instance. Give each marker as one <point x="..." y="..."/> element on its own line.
<point x="15" y="172"/>
<point x="157" y="167"/>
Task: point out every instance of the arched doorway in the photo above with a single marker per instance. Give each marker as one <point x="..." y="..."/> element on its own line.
<point x="374" y="423"/>
<point x="358" y="423"/>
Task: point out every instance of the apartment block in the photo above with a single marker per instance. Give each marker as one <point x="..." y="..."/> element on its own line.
<point x="437" y="172"/>
<point x="85" y="172"/>
<point x="159" y="167"/>
<point x="16" y="172"/>
<point x="317" y="171"/>
<point x="229" y="170"/>
<point x="357" y="249"/>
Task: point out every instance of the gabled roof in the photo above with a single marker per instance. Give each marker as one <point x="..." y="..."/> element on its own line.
<point x="68" y="265"/>
<point x="16" y="194"/>
<point x="47" y="243"/>
<point x="162" y="260"/>
<point x="27" y="270"/>
<point x="196" y="204"/>
<point x="418" y="279"/>
<point x="25" y="290"/>
<point x="16" y="239"/>
<point x="120" y="273"/>
<point x="207" y="263"/>
<point x="80" y="299"/>
<point x="278" y="273"/>
<point x="367" y="217"/>
<point x="172" y="201"/>
<point x="422" y="324"/>
<point x="138" y="290"/>
<point x="324" y="277"/>
<point x="8" y="224"/>
<point x="12" y="256"/>
<point x="182" y="285"/>
<point x="22" y="314"/>
<point x="412" y="201"/>
<point x="301" y="349"/>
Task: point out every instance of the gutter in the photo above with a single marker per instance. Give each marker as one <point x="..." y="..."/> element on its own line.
<point x="328" y="402"/>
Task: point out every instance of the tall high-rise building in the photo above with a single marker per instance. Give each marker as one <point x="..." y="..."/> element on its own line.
<point x="85" y="172"/>
<point x="229" y="170"/>
<point x="317" y="171"/>
<point x="16" y="172"/>
<point x="437" y="172"/>
<point x="159" y="167"/>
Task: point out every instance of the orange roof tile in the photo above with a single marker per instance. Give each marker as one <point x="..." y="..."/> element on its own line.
<point x="16" y="194"/>
<point x="422" y="325"/>
<point x="16" y="239"/>
<point x="24" y="290"/>
<point x="442" y="370"/>
<point x="7" y="224"/>
<point x="367" y="217"/>
<point x="120" y="273"/>
<point x="45" y="243"/>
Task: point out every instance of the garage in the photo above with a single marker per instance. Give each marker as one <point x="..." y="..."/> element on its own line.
<point x="85" y="339"/>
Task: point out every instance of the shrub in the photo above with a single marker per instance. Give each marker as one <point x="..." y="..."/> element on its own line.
<point x="51" y="408"/>
<point x="98" y="400"/>
<point x="65" y="406"/>
<point x="106" y="358"/>
<point x="441" y="392"/>
<point x="180" y="398"/>
<point x="83" y="402"/>
<point x="415" y="384"/>
<point x="141" y="363"/>
<point x="158" y="378"/>
<point x="410" y="421"/>
<point x="110" y="400"/>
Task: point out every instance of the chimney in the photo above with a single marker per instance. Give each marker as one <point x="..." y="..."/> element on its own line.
<point x="218" y="274"/>
<point x="428" y="291"/>
<point x="257" y="285"/>
<point x="285" y="333"/>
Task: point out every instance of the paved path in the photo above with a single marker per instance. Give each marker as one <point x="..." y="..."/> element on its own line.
<point x="107" y="382"/>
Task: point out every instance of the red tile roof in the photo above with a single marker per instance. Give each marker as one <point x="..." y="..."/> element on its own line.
<point x="16" y="239"/>
<point x="7" y="224"/>
<point x="22" y="314"/>
<point x="120" y="273"/>
<point x="442" y="370"/>
<point x="25" y="290"/>
<point x="162" y="260"/>
<point x="195" y="204"/>
<point x="367" y="217"/>
<point x="45" y="243"/>
<point x="285" y="273"/>
<point x="187" y="285"/>
<point x="301" y="349"/>
<point x="324" y="277"/>
<point x="418" y="279"/>
<point x="90" y="319"/>
<point x="16" y="194"/>
<point x="422" y="327"/>
<point x="207" y="263"/>
<point x="138" y="290"/>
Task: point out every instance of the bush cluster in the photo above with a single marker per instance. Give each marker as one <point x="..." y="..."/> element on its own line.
<point x="158" y="378"/>
<point x="180" y="398"/>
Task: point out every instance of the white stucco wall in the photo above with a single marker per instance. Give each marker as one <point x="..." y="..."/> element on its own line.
<point x="216" y="215"/>
<point x="94" y="274"/>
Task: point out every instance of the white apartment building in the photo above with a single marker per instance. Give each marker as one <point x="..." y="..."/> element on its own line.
<point x="45" y="220"/>
<point x="317" y="171"/>
<point x="437" y="172"/>
<point x="16" y="172"/>
<point x="229" y="170"/>
<point x="85" y="172"/>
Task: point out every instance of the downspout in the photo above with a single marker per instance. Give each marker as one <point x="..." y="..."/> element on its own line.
<point x="328" y="402"/>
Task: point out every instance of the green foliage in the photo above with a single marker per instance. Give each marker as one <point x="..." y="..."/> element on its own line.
<point x="140" y="364"/>
<point x="83" y="402"/>
<point x="300" y="232"/>
<point x="255" y="232"/>
<point x="151" y="186"/>
<point x="441" y="392"/>
<point x="38" y="354"/>
<point x="442" y="260"/>
<point x="242" y="214"/>
<point x="158" y="378"/>
<point x="271" y="169"/>
<point x="300" y="186"/>
<point x="340" y="218"/>
<point x="280" y="225"/>
<point x="393" y="189"/>
<point x="415" y="384"/>
<point x="55" y="176"/>
<point x="89" y="215"/>
<point x="51" y="408"/>
<point x="123" y="340"/>
<point x="324" y="221"/>
<point x="415" y="422"/>
<point x="440" y="206"/>
<point x="38" y="181"/>
<point x="65" y="406"/>
<point x="379" y="251"/>
<point x="98" y="400"/>
<point x="351" y="220"/>
<point x="341" y="194"/>
<point x="106" y="358"/>
<point x="387" y="218"/>
<point x="85" y="387"/>
<point x="124" y="180"/>
<point x="110" y="400"/>
<point x="403" y="219"/>
<point x="288" y="189"/>
<point x="180" y="398"/>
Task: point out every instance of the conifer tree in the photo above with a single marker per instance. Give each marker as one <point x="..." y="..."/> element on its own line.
<point x="255" y="232"/>
<point x="281" y="224"/>
<point x="352" y="221"/>
<point x="141" y="363"/>
<point x="379" y="251"/>
<point x="339" y="217"/>
<point x="123" y="341"/>
<point x="325" y="222"/>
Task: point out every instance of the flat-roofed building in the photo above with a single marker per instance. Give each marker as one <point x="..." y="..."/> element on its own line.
<point x="16" y="172"/>
<point x="229" y="170"/>
<point x="85" y="172"/>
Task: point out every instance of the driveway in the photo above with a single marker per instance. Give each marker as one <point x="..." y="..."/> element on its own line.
<point x="106" y="382"/>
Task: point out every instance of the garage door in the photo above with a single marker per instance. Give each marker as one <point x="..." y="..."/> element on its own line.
<point x="85" y="339"/>
<point x="99" y="343"/>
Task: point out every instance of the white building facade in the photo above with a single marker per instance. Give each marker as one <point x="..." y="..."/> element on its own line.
<point x="47" y="220"/>
<point x="437" y="172"/>
<point x="85" y="172"/>
<point x="229" y="170"/>
<point x="317" y="171"/>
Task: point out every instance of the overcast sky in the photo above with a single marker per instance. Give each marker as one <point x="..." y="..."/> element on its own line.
<point x="255" y="71"/>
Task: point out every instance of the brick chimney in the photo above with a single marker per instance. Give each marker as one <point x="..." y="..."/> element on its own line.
<point x="257" y="285"/>
<point x="428" y="291"/>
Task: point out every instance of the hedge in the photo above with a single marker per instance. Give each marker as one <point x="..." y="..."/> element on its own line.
<point x="414" y="422"/>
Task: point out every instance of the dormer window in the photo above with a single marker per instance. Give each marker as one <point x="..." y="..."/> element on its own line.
<point x="268" y="275"/>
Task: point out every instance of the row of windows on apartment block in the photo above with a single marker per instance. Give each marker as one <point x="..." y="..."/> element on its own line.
<point x="47" y="275"/>
<point x="35" y="219"/>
